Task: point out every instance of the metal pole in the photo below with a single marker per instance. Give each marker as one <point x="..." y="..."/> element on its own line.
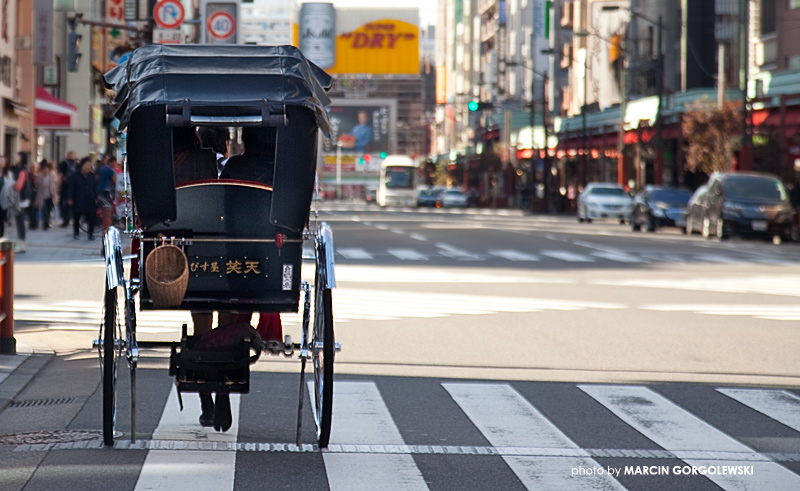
<point x="8" y="344"/>
<point x="658" y="170"/>
<point x="546" y="174"/>
<point x="585" y="169"/>
<point x="745" y="153"/>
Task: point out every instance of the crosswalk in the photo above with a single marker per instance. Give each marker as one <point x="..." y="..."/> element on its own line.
<point x="444" y="251"/>
<point x="410" y="434"/>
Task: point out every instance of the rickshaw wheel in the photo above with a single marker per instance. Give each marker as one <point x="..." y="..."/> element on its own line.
<point x="110" y="360"/>
<point x="323" y="348"/>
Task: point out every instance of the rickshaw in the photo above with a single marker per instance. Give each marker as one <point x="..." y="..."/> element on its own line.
<point x="240" y="237"/>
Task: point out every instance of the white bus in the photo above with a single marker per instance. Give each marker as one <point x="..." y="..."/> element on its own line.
<point x="397" y="182"/>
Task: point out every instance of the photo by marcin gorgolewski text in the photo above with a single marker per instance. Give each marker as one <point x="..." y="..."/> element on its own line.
<point x="665" y="470"/>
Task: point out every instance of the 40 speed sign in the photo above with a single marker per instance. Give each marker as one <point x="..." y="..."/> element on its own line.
<point x="220" y="22"/>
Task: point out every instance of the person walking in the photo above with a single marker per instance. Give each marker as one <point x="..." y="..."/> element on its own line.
<point x="82" y="199"/>
<point x="7" y="197"/>
<point x="66" y="169"/>
<point x="24" y="187"/>
<point x="45" y="192"/>
<point x="33" y="209"/>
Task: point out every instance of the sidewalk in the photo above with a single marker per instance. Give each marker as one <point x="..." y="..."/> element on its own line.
<point x="57" y="245"/>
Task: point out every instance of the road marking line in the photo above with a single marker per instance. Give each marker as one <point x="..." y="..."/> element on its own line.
<point x="186" y="469"/>
<point x="675" y="429"/>
<point x="780" y="405"/>
<point x="567" y="256"/>
<point x="506" y="419"/>
<point x="408" y="254"/>
<point x="619" y="257"/>
<point x="456" y="253"/>
<point x="513" y="255"/>
<point x="354" y="253"/>
<point x="362" y="418"/>
<point x="419" y="237"/>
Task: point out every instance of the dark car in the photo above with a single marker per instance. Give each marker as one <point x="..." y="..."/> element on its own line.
<point x="696" y="210"/>
<point x="656" y="207"/>
<point x="748" y="204"/>
<point x="430" y="197"/>
<point x="370" y="195"/>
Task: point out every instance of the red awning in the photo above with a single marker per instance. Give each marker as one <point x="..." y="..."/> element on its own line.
<point x="52" y="112"/>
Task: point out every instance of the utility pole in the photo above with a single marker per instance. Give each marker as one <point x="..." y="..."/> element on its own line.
<point x="658" y="167"/>
<point x="745" y="154"/>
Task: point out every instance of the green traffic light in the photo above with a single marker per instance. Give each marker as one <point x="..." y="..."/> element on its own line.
<point x="383" y="155"/>
<point x="473" y="105"/>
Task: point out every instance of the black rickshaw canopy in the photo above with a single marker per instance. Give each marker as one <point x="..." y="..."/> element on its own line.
<point x="160" y="87"/>
<point x="205" y="75"/>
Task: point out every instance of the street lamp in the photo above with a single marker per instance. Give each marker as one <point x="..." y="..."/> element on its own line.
<point x="658" y="167"/>
<point x="585" y="167"/>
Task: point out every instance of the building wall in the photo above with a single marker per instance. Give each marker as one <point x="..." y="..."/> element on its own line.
<point x="788" y="35"/>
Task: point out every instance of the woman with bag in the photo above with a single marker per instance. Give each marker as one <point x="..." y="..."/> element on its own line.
<point x="24" y="187"/>
<point x="45" y="191"/>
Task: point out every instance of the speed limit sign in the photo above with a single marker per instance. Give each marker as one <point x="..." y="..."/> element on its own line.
<point x="220" y="21"/>
<point x="221" y="26"/>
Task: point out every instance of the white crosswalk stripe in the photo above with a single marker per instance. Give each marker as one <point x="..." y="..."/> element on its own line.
<point x="571" y="257"/>
<point x="362" y="418"/>
<point x="779" y="405"/>
<point x="408" y="254"/>
<point x="354" y="253"/>
<point x="456" y="253"/>
<point x="506" y="419"/>
<point x="373" y="423"/>
<point x="677" y="430"/>
<point x="512" y="255"/>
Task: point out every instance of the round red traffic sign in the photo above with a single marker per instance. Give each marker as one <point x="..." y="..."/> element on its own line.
<point x="221" y="26"/>
<point x="168" y="14"/>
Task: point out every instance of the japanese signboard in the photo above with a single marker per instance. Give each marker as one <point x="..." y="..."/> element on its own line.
<point x="114" y="38"/>
<point x="43" y="32"/>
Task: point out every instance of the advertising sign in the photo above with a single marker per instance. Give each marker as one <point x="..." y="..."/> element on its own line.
<point x="220" y="22"/>
<point x="383" y="47"/>
<point x="361" y="126"/>
<point x="318" y="33"/>
<point x="43" y="32"/>
<point x="115" y="13"/>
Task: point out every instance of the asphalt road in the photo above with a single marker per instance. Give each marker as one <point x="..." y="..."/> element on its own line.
<point x="481" y="350"/>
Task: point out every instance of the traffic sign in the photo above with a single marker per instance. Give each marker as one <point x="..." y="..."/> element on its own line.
<point x="221" y="25"/>
<point x="168" y="36"/>
<point x="168" y="14"/>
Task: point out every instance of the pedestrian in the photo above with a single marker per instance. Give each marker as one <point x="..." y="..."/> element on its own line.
<point x="24" y="188"/>
<point x="33" y="209"/>
<point x="82" y="199"/>
<point x="45" y="191"/>
<point x="66" y="169"/>
<point x="106" y="179"/>
<point x="6" y="192"/>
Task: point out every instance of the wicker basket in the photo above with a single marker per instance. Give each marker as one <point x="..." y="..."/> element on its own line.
<point x="167" y="275"/>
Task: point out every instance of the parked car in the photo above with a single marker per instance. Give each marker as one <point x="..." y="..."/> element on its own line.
<point x="748" y="204"/>
<point x="454" y="198"/>
<point x="655" y="207"/>
<point x="604" y="200"/>
<point x="696" y="210"/>
<point x="370" y="196"/>
<point x="429" y="197"/>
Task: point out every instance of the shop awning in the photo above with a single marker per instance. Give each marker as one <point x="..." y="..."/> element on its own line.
<point x="51" y="112"/>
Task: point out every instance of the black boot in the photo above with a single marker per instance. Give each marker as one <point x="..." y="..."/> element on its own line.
<point x="207" y="406"/>
<point x="222" y="413"/>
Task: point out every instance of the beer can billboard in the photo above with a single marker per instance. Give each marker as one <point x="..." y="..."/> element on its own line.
<point x="318" y="33"/>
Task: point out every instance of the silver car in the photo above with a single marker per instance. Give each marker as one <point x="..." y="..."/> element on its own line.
<point x="604" y="200"/>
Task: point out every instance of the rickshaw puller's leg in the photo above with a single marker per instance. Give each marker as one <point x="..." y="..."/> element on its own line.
<point x="223" y="419"/>
<point x="207" y="405"/>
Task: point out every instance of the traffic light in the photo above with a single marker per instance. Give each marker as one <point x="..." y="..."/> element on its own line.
<point x="474" y="105"/>
<point x="383" y="155"/>
<point x="73" y="55"/>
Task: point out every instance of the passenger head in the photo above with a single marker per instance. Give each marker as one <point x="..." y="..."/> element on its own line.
<point x="212" y="137"/>
<point x="184" y="139"/>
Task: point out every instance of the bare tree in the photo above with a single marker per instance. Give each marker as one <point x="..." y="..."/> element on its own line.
<point x="712" y="133"/>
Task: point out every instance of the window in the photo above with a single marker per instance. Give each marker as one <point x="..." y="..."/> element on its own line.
<point x="794" y="4"/>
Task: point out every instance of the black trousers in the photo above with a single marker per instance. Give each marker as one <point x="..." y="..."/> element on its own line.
<point x="76" y="220"/>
